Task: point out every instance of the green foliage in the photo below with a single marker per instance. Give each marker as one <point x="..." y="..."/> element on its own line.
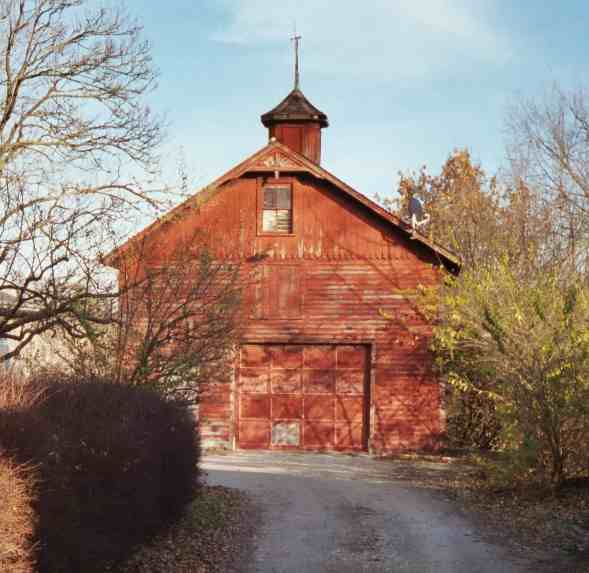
<point x="522" y="343"/>
<point x="508" y="467"/>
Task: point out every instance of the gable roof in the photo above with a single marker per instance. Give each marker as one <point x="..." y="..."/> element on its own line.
<point x="277" y="157"/>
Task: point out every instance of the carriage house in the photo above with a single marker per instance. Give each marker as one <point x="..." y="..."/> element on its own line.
<point x="334" y="352"/>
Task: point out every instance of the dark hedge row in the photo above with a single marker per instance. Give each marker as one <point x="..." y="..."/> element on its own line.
<point x="114" y="464"/>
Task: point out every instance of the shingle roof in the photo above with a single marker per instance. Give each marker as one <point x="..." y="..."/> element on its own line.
<point x="294" y="107"/>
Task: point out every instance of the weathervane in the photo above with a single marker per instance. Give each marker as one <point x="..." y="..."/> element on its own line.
<point x="296" y="39"/>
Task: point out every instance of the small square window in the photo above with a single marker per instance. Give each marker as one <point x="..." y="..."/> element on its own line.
<point x="277" y="209"/>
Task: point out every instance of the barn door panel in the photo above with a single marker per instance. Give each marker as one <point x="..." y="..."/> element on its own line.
<point x="302" y="396"/>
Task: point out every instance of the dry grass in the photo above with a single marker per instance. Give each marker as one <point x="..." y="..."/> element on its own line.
<point x="18" y="393"/>
<point x="17" y="518"/>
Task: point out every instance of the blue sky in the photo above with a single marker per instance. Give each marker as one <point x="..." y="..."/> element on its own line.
<point x="403" y="82"/>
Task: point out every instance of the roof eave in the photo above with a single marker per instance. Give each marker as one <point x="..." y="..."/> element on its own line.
<point x="268" y="121"/>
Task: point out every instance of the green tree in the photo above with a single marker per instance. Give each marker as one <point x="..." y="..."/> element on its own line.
<point x="513" y="232"/>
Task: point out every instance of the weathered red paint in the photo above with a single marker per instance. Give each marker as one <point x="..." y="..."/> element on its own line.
<point x="303" y="396"/>
<point x="334" y="343"/>
<point x="297" y="123"/>
<point x="303" y="138"/>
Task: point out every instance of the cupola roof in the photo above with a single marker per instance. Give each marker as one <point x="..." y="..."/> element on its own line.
<point x="296" y="108"/>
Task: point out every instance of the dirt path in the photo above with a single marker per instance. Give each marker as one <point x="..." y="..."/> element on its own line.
<point x="328" y="513"/>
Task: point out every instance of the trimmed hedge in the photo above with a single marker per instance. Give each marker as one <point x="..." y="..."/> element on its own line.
<point x="115" y="463"/>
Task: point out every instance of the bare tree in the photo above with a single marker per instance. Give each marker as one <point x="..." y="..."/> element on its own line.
<point x="76" y="141"/>
<point x="175" y="324"/>
<point x="548" y="150"/>
<point x="179" y="321"/>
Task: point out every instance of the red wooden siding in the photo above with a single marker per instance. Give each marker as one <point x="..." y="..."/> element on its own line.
<point x="325" y="228"/>
<point x="343" y="277"/>
<point x="303" y="138"/>
<point x="277" y="292"/>
<point x="302" y="396"/>
<point x="345" y="303"/>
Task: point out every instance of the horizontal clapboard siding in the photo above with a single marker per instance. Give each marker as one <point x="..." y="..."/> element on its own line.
<point x="358" y="303"/>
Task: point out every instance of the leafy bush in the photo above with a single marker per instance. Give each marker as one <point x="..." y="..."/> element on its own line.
<point x="17" y="518"/>
<point x="523" y="343"/>
<point x="115" y="463"/>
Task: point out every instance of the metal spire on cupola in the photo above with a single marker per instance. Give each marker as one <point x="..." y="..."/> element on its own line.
<point x="297" y="78"/>
<point x="295" y="121"/>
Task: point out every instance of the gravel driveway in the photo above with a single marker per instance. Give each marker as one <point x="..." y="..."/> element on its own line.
<point x="339" y="513"/>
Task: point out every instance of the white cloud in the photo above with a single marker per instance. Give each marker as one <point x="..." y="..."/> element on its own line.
<point x="380" y="39"/>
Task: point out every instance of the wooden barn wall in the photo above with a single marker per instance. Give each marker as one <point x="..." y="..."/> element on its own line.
<point x="345" y="277"/>
<point x="326" y="227"/>
<point x="303" y="138"/>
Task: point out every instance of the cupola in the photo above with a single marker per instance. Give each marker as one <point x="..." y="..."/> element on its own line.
<point x="295" y="121"/>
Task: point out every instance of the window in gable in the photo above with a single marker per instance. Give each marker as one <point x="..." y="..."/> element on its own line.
<point x="277" y="209"/>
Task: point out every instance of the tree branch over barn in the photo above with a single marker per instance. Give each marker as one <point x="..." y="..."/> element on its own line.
<point x="76" y="141"/>
<point x="175" y="322"/>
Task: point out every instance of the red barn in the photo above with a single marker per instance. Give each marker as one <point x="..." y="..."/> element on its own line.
<point x="334" y="354"/>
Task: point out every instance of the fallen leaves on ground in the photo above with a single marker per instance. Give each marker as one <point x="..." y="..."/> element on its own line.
<point x="551" y="527"/>
<point x="213" y="536"/>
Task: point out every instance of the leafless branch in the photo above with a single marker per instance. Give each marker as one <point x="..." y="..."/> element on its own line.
<point x="76" y="140"/>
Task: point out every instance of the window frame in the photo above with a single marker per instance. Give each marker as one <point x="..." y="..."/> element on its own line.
<point x="275" y="182"/>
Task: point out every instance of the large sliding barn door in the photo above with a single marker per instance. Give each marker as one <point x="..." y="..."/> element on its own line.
<point x="302" y="396"/>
